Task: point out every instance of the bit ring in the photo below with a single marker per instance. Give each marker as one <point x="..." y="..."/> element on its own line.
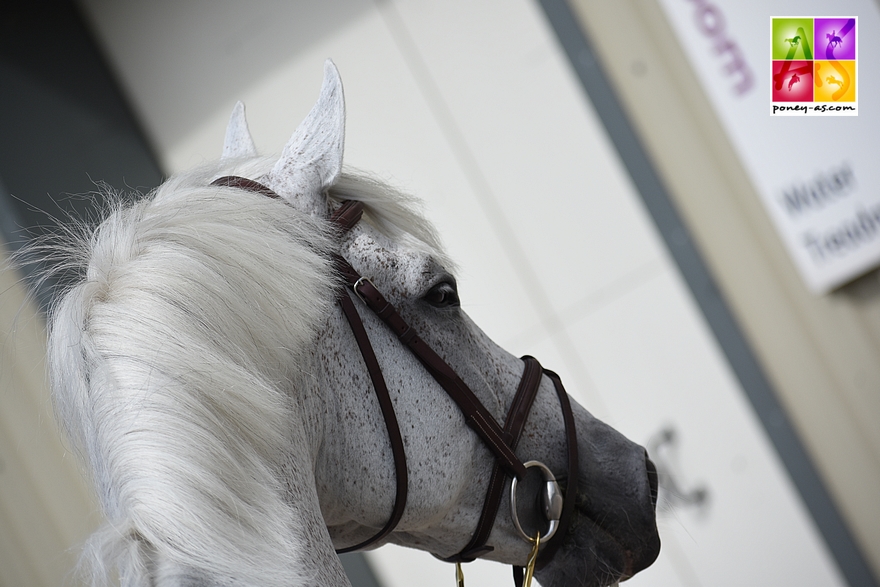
<point x="552" y="499"/>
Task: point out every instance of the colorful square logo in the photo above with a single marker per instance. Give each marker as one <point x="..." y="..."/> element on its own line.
<point x="814" y="66"/>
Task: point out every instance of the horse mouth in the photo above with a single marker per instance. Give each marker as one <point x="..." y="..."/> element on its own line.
<point x="636" y="543"/>
<point x="618" y="559"/>
<point x="609" y="541"/>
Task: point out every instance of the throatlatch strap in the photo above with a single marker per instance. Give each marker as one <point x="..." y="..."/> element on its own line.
<point x="375" y="371"/>
<point x="346" y="217"/>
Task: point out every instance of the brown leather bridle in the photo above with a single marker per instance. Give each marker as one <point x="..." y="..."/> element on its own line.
<point x="502" y="441"/>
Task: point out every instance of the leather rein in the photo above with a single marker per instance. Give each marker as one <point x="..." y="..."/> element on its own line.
<point x="501" y="440"/>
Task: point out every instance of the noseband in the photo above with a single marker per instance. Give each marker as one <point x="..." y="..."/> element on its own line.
<point x="501" y="440"/>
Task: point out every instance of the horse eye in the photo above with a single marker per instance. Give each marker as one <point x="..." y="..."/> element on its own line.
<point x="442" y="295"/>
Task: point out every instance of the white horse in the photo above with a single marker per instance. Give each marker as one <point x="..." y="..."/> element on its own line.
<point x="206" y="374"/>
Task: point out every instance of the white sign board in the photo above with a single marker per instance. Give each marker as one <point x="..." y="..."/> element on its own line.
<point x="817" y="169"/>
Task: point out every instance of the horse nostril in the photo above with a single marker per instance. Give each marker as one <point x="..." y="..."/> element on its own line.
<point x="653" y="479"/>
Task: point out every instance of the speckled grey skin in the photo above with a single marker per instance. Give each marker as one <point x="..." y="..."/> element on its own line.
<point x="613" y="534"/>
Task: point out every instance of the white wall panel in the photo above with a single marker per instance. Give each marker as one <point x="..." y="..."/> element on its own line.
<point x="46" y="512"/>
<point x="471" y="105"/>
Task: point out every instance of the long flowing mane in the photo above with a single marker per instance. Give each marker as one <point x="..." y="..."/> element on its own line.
<point x="216" y="394"/>
<point x="175" y="363"/>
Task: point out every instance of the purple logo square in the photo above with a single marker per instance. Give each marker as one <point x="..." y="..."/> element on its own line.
<point x="834" y="38"/>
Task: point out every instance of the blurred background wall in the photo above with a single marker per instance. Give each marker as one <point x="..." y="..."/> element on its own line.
<point x="543" y="136"/>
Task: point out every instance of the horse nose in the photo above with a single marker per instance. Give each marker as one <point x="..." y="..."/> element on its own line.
<point x="641" y="558"/>
<point x="653" y="480"/>
<point x="637" y="529"/>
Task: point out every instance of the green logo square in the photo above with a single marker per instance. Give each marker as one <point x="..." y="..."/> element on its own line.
<point x="792" y="38"/>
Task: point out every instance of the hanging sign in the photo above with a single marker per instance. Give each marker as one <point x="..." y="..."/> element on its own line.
<point x="785" y="77"/>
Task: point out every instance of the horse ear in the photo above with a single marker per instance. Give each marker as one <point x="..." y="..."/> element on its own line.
<point x="238" y="142"/>
<point x="312" y="159"/>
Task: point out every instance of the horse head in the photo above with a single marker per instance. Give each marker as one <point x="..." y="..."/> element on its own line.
<point x="228" y="414"/>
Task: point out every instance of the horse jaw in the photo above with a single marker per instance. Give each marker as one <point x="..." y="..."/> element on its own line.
<point x="238" y="142"/>
<point x="312" y="159"/>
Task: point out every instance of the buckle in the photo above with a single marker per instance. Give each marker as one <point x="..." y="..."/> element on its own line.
<point x="355" y="285"/>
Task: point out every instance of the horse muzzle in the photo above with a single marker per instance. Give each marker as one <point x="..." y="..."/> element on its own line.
<point x="613" y="533"/>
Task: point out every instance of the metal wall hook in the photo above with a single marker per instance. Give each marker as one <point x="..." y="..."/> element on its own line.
<point x="663" y="449"/>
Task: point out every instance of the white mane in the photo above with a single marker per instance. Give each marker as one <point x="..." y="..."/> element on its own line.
<point x="174" y="366"/>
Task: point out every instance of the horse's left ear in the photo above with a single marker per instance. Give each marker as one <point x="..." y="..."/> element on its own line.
<point x="312" y="159"/>
<point x="238" y="142"/>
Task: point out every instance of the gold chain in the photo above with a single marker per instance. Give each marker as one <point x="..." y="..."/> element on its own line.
<point x="533" y="558"/>
<point x="530" y="566"/>
<point x="459" y="575"/>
